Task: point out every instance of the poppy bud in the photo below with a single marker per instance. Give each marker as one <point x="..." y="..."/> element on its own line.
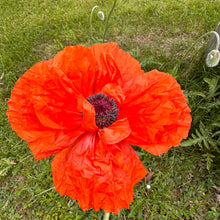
<point x="213" y="58"/>
<point x="101" y="15"/>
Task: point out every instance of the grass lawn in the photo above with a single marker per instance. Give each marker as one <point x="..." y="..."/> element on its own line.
<point x="186" y="180"/>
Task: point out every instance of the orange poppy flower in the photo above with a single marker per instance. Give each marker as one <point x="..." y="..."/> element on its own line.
<point x="87" y="105"/>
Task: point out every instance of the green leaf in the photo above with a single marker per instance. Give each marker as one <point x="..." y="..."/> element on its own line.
<point x="213" y="86"/>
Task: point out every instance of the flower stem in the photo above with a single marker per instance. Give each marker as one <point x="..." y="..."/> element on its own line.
<point x="106" y="216"/>
<point x="187" y="52"/>
<point x="106" y="24"/>
<point x="91" y="18"/>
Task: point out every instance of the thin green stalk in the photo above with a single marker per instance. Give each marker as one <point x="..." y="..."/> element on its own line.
<point x="106" y="216"/>
<point x="193" y="45"/>
<point x="91" y="18"/>
<point x="44" y="191"/>
<point x="106" y="24"/>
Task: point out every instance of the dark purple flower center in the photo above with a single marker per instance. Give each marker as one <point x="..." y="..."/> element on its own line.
<point x="106" y="111"/>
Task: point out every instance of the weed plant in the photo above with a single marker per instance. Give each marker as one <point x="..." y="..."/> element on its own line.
<point x="185" y="183"/>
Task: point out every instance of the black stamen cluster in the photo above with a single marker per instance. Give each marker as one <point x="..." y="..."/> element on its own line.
<point x="106" y="111"/>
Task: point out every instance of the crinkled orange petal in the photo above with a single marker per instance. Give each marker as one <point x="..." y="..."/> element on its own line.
<point x="88" y="113"/>
<point x="88" y="71"/>
<point x="52" y="103"/>
<point x="114" y="91"/>
<point x="97" y="175"/>
<point x="79" y="66"/>
<point x="116" y="132"/>
<point x="107" y="72"/>
<point x="157" y="111"/>
<point x="40" y="120"/>
<point x="48" y="142"/>
<point x="127" y="65"/>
